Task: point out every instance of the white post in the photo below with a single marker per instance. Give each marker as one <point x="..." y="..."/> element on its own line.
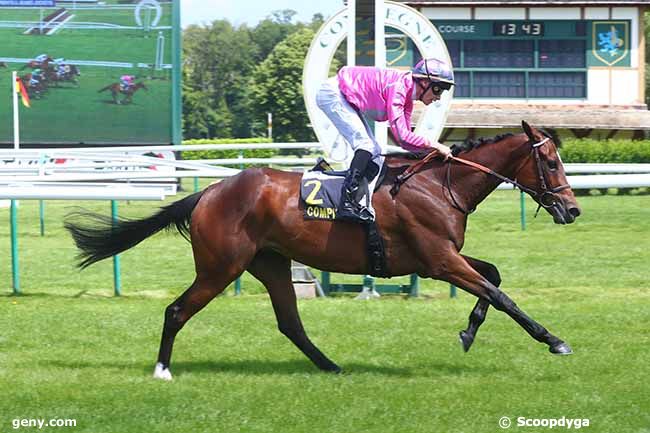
<point x="381" y="128"/>
<point x="160" y="49"/>
<point x="16" y="120"/>
<point x="380" y="36"/>
<point x="269" y="125"/>
<point x="352" y="32"/>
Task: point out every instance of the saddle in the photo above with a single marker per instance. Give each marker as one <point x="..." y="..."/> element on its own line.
<point x="320" y="193"/>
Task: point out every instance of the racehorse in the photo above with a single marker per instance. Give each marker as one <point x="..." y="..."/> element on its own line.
<point x="34" y="90"/>
<point x="116" y="89"/>
<point x="36" y="64"/>
<point x="71" y="73"/>
<point x="253" y="221"/>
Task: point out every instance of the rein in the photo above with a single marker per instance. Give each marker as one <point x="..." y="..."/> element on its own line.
<point x="547" y="197"/>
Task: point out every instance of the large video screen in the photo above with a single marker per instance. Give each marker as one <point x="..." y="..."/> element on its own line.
<point x="96" y="72"/>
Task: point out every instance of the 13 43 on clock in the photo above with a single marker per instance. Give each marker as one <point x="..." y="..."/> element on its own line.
<point x="518" y="28"/>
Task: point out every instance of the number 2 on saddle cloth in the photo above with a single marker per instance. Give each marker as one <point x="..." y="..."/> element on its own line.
<point x="320" y="193"/>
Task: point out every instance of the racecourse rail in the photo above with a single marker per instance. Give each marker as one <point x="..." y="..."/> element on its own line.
<point x="123" y="173"/>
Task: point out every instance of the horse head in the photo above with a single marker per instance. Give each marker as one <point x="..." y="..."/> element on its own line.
<point x="140" y="85"/>
<point x="543" y="173"/>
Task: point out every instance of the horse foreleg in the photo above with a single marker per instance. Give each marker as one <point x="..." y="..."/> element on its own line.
<point x="477" y="316"/>
<point x="274" y="271"/>
<point x="459" y="272"/>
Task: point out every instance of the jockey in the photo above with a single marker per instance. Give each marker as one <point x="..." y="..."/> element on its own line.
<point x="361" y="93"/>
<point x="36" y="77"/>
<point x="126" y="81"/>
<point x="60" y="66"/>
<point x="41" y="58"/>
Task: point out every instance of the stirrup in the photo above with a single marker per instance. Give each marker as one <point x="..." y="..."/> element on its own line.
<point x="355" y="212"/>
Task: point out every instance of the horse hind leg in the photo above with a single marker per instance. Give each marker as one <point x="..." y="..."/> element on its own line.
<point x="274" y="271"/>
<point x="206" y="286"/>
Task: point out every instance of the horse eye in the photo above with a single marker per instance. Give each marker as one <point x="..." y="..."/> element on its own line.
<point x="552" y="164"/>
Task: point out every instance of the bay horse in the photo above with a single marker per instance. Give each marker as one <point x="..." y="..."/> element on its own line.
<point x="253" y="221"/>
<point x="71" y="73"/>
<point x="34" y="90"/>
<point x="116" y="89"/>
<point x="33" y="64"/>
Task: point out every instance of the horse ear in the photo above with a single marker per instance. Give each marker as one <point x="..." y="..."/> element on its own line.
<point x="528" y="130"/>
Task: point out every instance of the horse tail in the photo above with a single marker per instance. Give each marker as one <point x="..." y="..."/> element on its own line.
<point x="105" y="88"/>
<point x="99" y="237"/>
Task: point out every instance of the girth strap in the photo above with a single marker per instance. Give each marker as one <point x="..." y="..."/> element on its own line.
<point x="376" y="251"/>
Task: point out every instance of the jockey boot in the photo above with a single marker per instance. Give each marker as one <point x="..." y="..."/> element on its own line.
<point x="350" y="207"/>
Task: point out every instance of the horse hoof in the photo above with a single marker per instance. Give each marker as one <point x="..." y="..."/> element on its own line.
<point x="332" y="369"/>
<point x="465" y="340"/>
<point x="162" y="373"/>
<point x="560" y="349"/>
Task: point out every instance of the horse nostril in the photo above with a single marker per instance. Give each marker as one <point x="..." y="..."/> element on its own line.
<point x="574" y="211"/>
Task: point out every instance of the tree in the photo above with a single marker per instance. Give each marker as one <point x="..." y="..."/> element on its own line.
<point x="277" y="88"/>
<point x="272" y="30"/>
<point x="200" y="118"/>
<point x="218" y="60"/>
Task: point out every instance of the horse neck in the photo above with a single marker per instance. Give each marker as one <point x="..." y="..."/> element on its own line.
<point x="504" y="157"/>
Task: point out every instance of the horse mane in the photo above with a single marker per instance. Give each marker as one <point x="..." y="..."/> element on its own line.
<point x="455" y="148"/>
<point x="471" y="144"/>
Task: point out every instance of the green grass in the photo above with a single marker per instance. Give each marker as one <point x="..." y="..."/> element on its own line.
<point x="70" y="350"/>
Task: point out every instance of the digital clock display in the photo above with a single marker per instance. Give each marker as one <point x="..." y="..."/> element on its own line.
<point x="518" y="28"/>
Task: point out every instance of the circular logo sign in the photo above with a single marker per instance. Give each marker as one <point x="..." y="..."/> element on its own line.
<point x="323" y="47"/>
<point x="149" y="4"/>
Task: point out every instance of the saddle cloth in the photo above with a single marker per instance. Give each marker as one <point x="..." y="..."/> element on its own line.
<point x="320" y="192"/>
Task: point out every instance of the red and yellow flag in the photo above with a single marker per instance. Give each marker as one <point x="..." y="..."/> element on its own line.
<point x="20" y="88"/>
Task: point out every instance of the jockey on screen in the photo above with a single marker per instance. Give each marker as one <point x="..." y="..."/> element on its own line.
<point x="361" y="93"/>
<point x="59" y="63"/>
<point x="126" y="82"/>
<point x="36" y="77"/>
<point x="41" y="58"/>
<point x="61" y="67"/>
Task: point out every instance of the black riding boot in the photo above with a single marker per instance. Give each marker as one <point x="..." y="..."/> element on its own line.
<point x="350" y="207"/>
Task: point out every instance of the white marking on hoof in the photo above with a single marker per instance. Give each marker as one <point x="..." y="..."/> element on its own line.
<point x="162" y="373"/>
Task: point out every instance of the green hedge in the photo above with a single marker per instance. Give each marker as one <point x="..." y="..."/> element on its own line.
<point x="214" y="154"/>
<point x="594" y="151"/>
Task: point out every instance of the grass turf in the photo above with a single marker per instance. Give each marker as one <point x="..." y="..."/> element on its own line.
<point x="70" y="350"/>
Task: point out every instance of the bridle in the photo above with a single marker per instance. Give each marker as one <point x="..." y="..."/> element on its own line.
<point x="546" y="198"/>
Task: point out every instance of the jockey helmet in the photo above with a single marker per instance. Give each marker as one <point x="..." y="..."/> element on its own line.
<point x="434" y="70"/>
